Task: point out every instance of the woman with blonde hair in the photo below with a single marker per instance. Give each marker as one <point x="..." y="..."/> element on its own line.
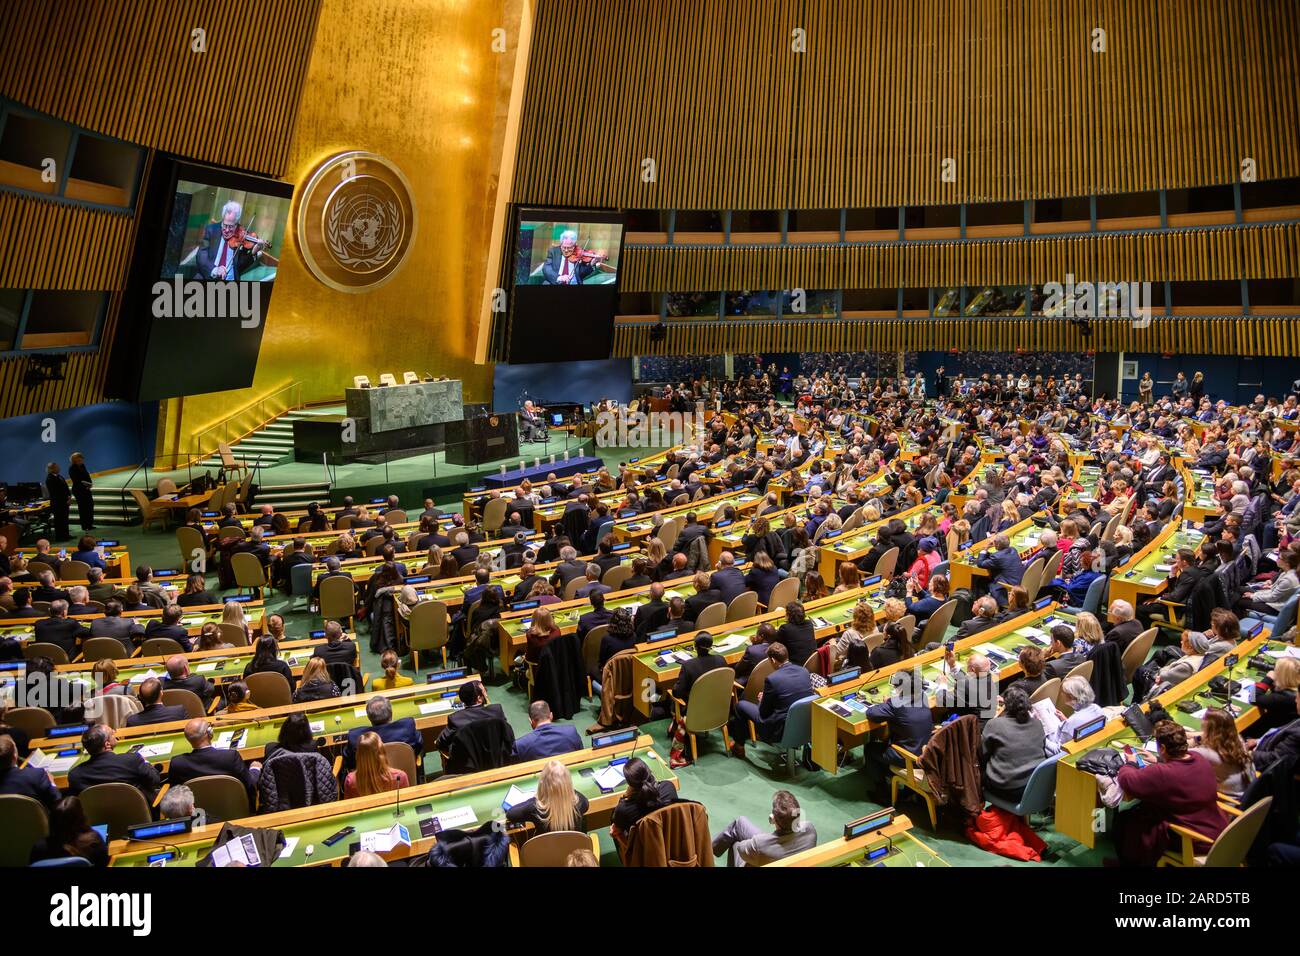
<point x="233" y="613"/>
<point x="1275" y="696"/>
<point x="392" y="678"/>
<point x="316" y="683"/>
<point x="655" y="553"/>
<point x="432" y="561"/>
<point x="861" y="627"/>
<point x="373" y="774"/>
<point x="1087" y="632"/>
<point x="557" y="807"/>
<point x="347" y="547"/>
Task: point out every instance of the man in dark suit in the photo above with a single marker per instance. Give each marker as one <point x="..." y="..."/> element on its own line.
<point x="58" y="629"/>
<point x="690" y="531"/>
<point x="1121" y="626"/>
<point x="464" y="552"/>
<point x="704" y="596"/>
<point x="756" y="652"/>
<point x="593" y="583"/>
<point x="558" y="269"/>
<point x="113" y="624"/>
<point x="1004" y="566"/>
<point x="204" y="759"/>
<point x="215" y="260"/>
<point x="546" y="739"/>
<point x="652" y="613"/>
<point x="703" y="662"/>
<point x="568" y="568"/>
<point x="281" y="574"/>
<point x="79" y="601"/>
<point x="787" y="683"/>
<point x="985" y="616"/>
<point x="380" y="714"/>
<point x="56" y="489"/>
<point x="105" y="766"/>
<point x="46" y="591"/>
<point x="24" y="781"/>
<point x="1184" y="576"/>
<point x="597" y="616"/>
<point x="476" y="710"/>
<point x="179" y="678"/>
<point x="728" y="580"/>
<point x="1064" y="658"/>
<point x="155" y="711"/>
<point x="170" y="626"/>
<point x="337" y="649"/>
<point x="528" y="576"/>
<point x="254" y="546"/>
<point x="333" y="569"/>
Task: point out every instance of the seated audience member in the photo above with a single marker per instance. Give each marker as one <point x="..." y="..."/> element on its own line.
<point x="372" y="774"/>
<point x="1066" y="653"/>
<point x="1012" y="744"/>
<point x="699" y="665"/>
<point x="24" y="781"/>
<point x="106" y="766"/>
<point x="60" y="630"/>
<point x="392" y="677"/>
<point x="786" y="683"/>
<point x="179" y="678"/>
<point x="907" y="715"/>
<point x="985" y="616"/>
<point x="971" y="690"/>
<point x="1180" y="788"/>
<point x="155" y="711"/>
<point x="581" y="858"/>
<point x="540" y="632"/>
<point x="644" y="794"/>
<point x="177" y="803"/>
<point x="1275" y="696"/>
<point x="210" y="638"/>
<point x="747" y="845"/>
<point x="127" y="630"/>
<point x="169" y="626"/>
<point x="204" y="759"/>
<point x="620" y="635"/>
<point x="897" y="646"/>
<point x="1221" y="744"/>
<point x="266" y="660"/>
<point x="238" y="698"/>
<point x="556" y="807"/>
<point x="338" y="647"/>
<point x="547" y="739"/>
<point x="379" y="711"/>
<point x="70" y="835"/>
<point x="295" y="736"/>
<point x="797" y="634"/>
<point x="1032" y="666"/>
<point x="756" y="652"/>
<point x="1083" y="699"/>
<point x="476" y="710"/>
<point x="79" y="601"/>
<point x="316" y="683"/>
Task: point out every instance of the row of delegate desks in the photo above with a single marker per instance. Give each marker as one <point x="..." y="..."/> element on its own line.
<point x="193" y="619"/>
<point x="116" y="557"/>
<point x="1077" y="800"/>
<point x="481" y="794"/>
<point x="221" y="666"/>
<point x="839" y="713"/>
<point x="890" y="846"/>
<point x="1146" y="574"/>
<point x="427" y="704"/>
<point x="1024" y="536"/>
<point x="836" y="548"/>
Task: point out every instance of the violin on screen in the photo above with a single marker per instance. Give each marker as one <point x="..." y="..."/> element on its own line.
<point x="251" y="242"/>
<point x="592" y="257"/>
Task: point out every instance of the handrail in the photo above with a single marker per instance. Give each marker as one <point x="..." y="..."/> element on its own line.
<point x="209" y="437"/>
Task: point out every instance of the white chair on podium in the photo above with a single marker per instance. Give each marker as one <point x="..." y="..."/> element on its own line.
<point x="361" y="381"/>
<point x="387" y="379"/>
<point x="409" y="378"/>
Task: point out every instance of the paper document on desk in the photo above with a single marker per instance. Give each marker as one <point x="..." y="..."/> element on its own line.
<point x="381" y="841"/>
<point x="223" y="739"/>
<point x="140" y="678"/>
<point x="290" y="844"/>
<point x="1045" y="711"/>
<point x="1152" y="582"/>
<point x="435" y="707"/>
<point x="156" y="750"/>
<point x="50" y="763"/>
<point x="241" y="850"/>
<point x="611" y="777"/>
<point x="205" y="668"/>
<point x="456" y="817"/>
<point x="517" y="796"/>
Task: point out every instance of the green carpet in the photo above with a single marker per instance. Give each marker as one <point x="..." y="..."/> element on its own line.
<point x="728" y="787"/>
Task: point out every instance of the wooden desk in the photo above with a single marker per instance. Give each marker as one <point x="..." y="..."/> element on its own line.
<point x="904" y="849"/>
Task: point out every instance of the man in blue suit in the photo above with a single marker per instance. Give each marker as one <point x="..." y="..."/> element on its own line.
<point x="380" y="714"/>
<point x="1004" y="567"/>
<point x="547" y="739"/>
<point x="727" y="580"/>
<point x="786" y="683"/>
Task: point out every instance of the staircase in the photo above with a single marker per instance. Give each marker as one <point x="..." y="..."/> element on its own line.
<point x="115" y="506"/>
<point x="270" y="444"/>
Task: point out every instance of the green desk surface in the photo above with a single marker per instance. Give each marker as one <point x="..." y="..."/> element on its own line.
<point x="705" y="506"/>
<point x="859" y="541"/>
<point x="220" y="668"/>
<point x="485" y="800"/>
<point x="1153" y="569"/>
<point x="904" y="850"/>
<point x="191" y="621"/>
<point x="566" y="618"/>
<point x="1118" y="738"/>
<point x="329" y="720"/>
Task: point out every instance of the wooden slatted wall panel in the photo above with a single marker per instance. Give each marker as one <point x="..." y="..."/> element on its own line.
<point x="1181" y="335"/>
<point x="1010" y="90"/>
<point x="126" y="69"/>
<point x="46" y="244"/>
<point x="1269" y="251"/>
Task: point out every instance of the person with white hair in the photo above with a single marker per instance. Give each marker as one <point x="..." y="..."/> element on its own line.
<point x="565" y="264"/>
<point x="177" y="803"/>
<point x="366" y="858"/>
<point x="215" y="259"/>
<point x="1078" y="692"/>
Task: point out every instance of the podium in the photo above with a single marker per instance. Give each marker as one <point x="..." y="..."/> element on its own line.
<point x="484" y="438"/>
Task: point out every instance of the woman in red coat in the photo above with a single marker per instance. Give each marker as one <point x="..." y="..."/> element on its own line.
<point x="1180" y="788"/>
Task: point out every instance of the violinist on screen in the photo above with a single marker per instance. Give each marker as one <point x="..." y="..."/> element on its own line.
<point x="568" y="263"/>
<point x="225" y="251"/>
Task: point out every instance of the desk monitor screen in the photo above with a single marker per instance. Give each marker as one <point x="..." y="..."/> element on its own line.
<point x="622" y="547"/>
<point x="439" y="676"/>
<point x="151" y="831"/>
<point x="661" y="635"/>
<point x="610" y="739"/>
<point x="557" y="419"/>
<point x="1090" y="728"/>
<point x="874" y="821"/>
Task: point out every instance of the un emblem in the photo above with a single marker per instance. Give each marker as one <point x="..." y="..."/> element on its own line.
<point x="356" y="221"/>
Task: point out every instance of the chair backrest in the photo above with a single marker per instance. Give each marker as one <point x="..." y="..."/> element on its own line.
<point x="855" y="520"/>
<point x="58" y="655"/>
<point x="387" y="378"/>
<point x="220" y="797"/>
<point x="1047" y="690"/>
<point x="119" y="805"/>
<point x="374" y="545"/>
<point x="786" y="590"/>
<point x="1032" y="579"/>
<point x="24" y="824"/>
<point x="571" y="589"/>
<point x="360" y="381"/>
<point x="888" y="561"/>
<point x="269" y="689"/>
<point x="591" y="646"/>
<point x="248" y="570"/>
<point x="395" y="516"/>
<point x="1230" y="849"/>
<point x="427" y="626"/>
<point x="165" y="487"/>
<point x="1092" y="598"/>
<point x="743" y="605"/>
<point x="33" y="721"/>
<point x="227" y="458"/>
<point x="709" y="705"/>
<point x="1286" y="616"/>
<point x="159" y="647"/>
<point x="798" y="724"/>
<point x="1053" y="566"/>
<point x="232" y="634"/>
<point x="616" y="575"/>
<point x="142" y="502"/>
<point x="186" y="698"/>
<point x="757" y="678"/>
<point x="553" y="849"/>
<point x="1083" y="670"/>
<point x="401" y="757"/>
<point x="410" y="378"/>
<point x="343" y="523"/>
<point x="1136" y="653"/>
<point x="300" y="579"/>
<point x="1109" y="533"/>
<point x="74" y="571"/>
<point x="937" y="624"/>
<point x="715" y="615"/>
<point x="191" y="545"/>
<point x="494" y="514"/>
<point x="813" y="665"/>
<point x="1040" y="791"/>
<point x="39" y="567"/>
<point x="337" y="598"/>
<point x="113" y="709"/>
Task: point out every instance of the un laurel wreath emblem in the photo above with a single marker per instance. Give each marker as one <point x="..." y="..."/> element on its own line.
<point x="356" y="221"/>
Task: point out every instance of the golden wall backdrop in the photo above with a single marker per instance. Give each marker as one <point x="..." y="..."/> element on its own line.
<point x="416" y="81"/>
<point x="1010" y="90"/>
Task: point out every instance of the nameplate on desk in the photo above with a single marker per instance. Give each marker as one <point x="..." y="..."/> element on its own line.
<point x="418" y="579"/>
<point x="870" y="581"/>
<point x="611" y="739"/>
<point x="453" y="674"/>
<point x="839" y="677"/>
<point x="151" y="831"/>
<point x="1090" y="728"/>
<point x="524" y="605"/>
<point x="240" y="598"/>
<point x="868" y="824"/>
<point x="661" y="635"/>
